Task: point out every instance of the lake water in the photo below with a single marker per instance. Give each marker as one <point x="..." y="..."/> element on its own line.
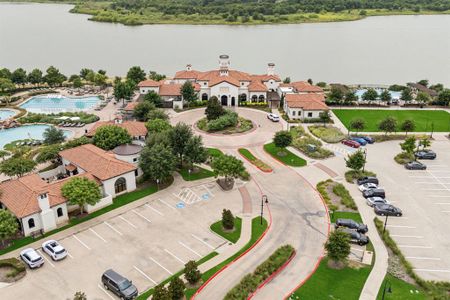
<point x="392" y="49"/>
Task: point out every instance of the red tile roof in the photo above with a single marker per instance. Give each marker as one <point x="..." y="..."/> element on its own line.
<point x="306" y="87"/>
<point x="171" y="89"/>
<point x="134" y="128"/>
<point x="149" y="83"/>
<point x="99" y="163"/>
<point x="306" y="101"/>
<point x="187" y="74"/>
<point x="257" y="86"/>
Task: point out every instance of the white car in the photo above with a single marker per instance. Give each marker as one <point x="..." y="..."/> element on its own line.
<point x="273" y="117"/>
<point x="54" y="250"/>
<point x="372" y="201"/>
<point x="367" y="186"/>
<point x="31" y="258"/>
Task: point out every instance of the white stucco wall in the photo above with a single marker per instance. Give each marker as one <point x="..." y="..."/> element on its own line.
<point x="272" y="84"/>
<point x="224" y="88"/>
<point x="65" y="217"/>
<point x="145" y="90"/>
<point x="314" y="114"/>
<point x="37" y="221"/>
<point x="108" y="185"/>
<point x="133" y="159"/>
<point x="105" y="201"/>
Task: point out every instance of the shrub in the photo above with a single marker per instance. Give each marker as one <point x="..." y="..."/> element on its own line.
<point x="328" y="134"/>
<point x="227" y="219"/>
<point x="191" y="272"/>
<point x="404" y="158"/>
<point x="16" y="265"/>
<point x="322" y="189"/>
<point x="352" y="175"/>
<point x="346" y="199"/>
<point x="227" y="120"/>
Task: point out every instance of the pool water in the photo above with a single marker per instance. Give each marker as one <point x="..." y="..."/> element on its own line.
<point x="6" y="113"/>
<point x="25" y="132"/>
<point x="394" y="95"/>
<point x="47" y="104"/>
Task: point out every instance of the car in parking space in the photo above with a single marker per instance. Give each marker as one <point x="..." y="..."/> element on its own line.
<point x="351" y="143"/>
<point x="387" y="210"/>
<point x="368" y="139"/>
<point x="367" y="179"/>
<point x="415" y="165"/>
<point x="371" y="201"/>
<point x="356" y="237"/>
<point x="367" y="186"/>
<point x="273" y="117"/>
<point x="55" y="250"/>
<point x="32" y="258"/>
<point x="425" y="154"/>
<point x="119" y="285"/>
<point x="359" y="140"/>
<point x="352" y="224"/>
<point x="374" y="193"/>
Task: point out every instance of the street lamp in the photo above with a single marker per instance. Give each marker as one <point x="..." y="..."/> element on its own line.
<point x="385" y="223"/>
<point x="389" y="289"/>
<point x="263" y="200"/>
<point x="157" y="184"/>
<point x="365" y="159"/>
<point x="189" y="171"/>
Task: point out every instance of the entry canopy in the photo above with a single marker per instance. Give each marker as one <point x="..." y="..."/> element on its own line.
<point x="75" y="118"/>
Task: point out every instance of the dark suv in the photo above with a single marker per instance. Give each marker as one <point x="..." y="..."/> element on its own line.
<point x="374" y="193"/>
<point x="425" y="154"/>
<point x="349" y="223"/>
<point x="119" y="285"/>
<point x="356" y="237"/>
<point x="367" y="179"/>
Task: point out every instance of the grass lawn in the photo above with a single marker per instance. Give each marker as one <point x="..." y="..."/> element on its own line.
<point x="422" y="118"/>
<point x="254" y="160"/>
<point x="213" y="152"/>
<point x="328" y="283"/>
<point x="345" y="215"/>
<point x="232" y="236"/>
<point x="199" y="173"/>
<point x="400" y="290"/>
<point x="289" y="159"/>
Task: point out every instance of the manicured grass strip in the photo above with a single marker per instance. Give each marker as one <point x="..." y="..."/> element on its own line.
<point x="117" y="202"/>
<point x="256" y="161"/>
<point x="213" y="152"/>
<point x="345" y="215"/>
<point x="257" y="232"/>
<point x="422" y="118"/>
<point x="232" y="236"/>
<point x="289" y="158"/>
<point x="200" y="173"/>
<point x="327" y="283"/>
<point x="400" y="289"/>
<point x="250" y="282"/>
<point x="346" y="199"/>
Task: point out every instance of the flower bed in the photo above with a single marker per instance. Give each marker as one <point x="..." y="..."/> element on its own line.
<point x="329" y="134"/>
<point x="255" y="161"/>
<point x="302" y="142"/>
<point x="227" y="124"/>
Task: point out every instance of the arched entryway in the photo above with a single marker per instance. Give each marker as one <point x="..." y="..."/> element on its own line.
<point x="204" y="96"/>
<point x="120" y="185"/>
<point x="233" y="101"/>
<point x="254" y="98"/>
<point x="242" y="98"/>
<point x="224" y="100"/>
<point x="261" y="98"/>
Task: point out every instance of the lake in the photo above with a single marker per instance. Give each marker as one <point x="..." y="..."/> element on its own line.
<point x="391" y="49"/>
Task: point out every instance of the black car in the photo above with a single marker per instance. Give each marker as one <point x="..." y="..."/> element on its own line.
<point x="349" y="223"/>
<point x="368" y="139"/>
<point x="356" y="237"/>
<point x="425" y="154"/>
<point x="367" y="179"/>
<point x="119" y="285"/>
<point x="415" y="165"/>
<point x="387" y="210"/>
<point x="374" y="193"/>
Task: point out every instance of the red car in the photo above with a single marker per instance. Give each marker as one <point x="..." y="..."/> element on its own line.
<point x="351" y="143"/>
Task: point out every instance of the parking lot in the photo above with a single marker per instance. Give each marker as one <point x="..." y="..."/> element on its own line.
<point x="146" y="244"/>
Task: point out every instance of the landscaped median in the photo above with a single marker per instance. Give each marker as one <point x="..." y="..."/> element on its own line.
<point x="285" y="156"/>
<point x="255" y="161"/>
<point x="231" y="235"/>
<point x="264" y="272"/>
<point x="195" y="174"/>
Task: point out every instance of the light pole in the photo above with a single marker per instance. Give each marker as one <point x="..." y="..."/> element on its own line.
<point x="157" y="185"/>
<point x="389" y="289"/>
<point x="365" y="159"/>
<point x="263" y="200"/>
<point x="385" y="223"/>
<point x="189" y="171"/>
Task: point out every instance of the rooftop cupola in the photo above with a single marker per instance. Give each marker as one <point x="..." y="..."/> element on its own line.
<point x="188" y="67"/>
<point x="270" y="69"/>
<point x="224" y="64"/>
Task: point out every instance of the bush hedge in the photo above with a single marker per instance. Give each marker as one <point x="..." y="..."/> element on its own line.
<point x="322" y="189"/>
<point x="227" y="120"/>
<point x="53" y="118"/>
<point x="346" y="199"/>
<point x="328" y="134"/>
<point x="404" y="158"/>
<point x="250" y="282"/>
<point x="17" y="266"/>
<point x="352" y="175"/>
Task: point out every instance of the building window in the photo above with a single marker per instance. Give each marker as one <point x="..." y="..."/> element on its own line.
<point x="310" y="115"/>
<point x="120" y="185"/>
<point x="293" y="112"/>
<point x="254" y="98"/>
<point x="135" y="159"/>
<point x="261" y="98"/>
<point x="31" y="223"/>
<point x="136" y="173"/>
<point x="59" y="212"/>
<point x="242" y="83"/>
<point x="204" y="83"/>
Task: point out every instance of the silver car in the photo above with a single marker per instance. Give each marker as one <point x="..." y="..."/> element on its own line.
<point x="31" y="258"/>
<point x="367" y="186"/>
<point x="371" y="201"/>
<point x="54" y="250"/>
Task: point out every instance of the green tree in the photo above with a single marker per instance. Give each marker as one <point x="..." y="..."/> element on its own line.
<point x="155" y="76"/>
<point x="142" y="109"/>
<point x="214" y="110"/>
<point x="123" y="90"/>
<point x="53" y="135"/>
<point x="154" y="98"/>
<point x="321" y="84"/>
<point x="336" y="94"/>
<point x="370" y="95"/>
<point x="423" y="98"/>
<point x="406" y="95"/>
<point x="282" y="139"/>
<point x="408" y="126"/>
<point x="191" y="272"/>
<point x="157" y="114"/>
<point x="6" y="85"/>
<point x="157" y="162"/>
<point x="194" y="152"/>
<point x="176" y="288"/>
<point x="350" y="97"/>
<point x="53" y="77"/>
<point x="48" y="153"/>
<point x="355" y="161"/>
<point x="438" y="87"/>
<point x="35" y="77"/>
<point x="287" y="80"/>
<point x="227" y="166"/>
<point x="109" y="137"/>
<point x="83" y="140"/>
<point x="136" y="74"/>
<point x="17" y="166"/>
<point x="100" y="79"/>
<point x="84" y="73"/>
<point x="77" y="83"/>
<point x="8" y="225"/>
<point x="357" y="125"/>
<point x="388" y="125"/>
<point x="425" y="143"/>
<point x="409" y="144"/>
<point x="385" y="96"/>
<point x="81" y="191"/>
<point x="157" y="125"/>
<point x="227" y="219"/>
<point x="179" y="137"/>
<point x="188" y="93"/>
<point x="19" y="76"/>
<point x="325" y="117"/>
<point x="5" y="73"/>
<point x="423" y="82"/>
<point x="159" y="138"/>
<point x="161" y="293"/>
<point x="338" y="246"/>
<point x="79" y="296"/>
<point x="3" y="154"/>
<point x="444" y="97"/>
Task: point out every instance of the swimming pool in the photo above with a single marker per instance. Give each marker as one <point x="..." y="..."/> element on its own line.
<point x="47" y="104"/>
<point x="6" y="113"/>
<point x="25" y="132"/>
<point x="394" y="95"/>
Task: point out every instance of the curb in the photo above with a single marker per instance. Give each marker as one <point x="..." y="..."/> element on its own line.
<point x="265" y="171"/>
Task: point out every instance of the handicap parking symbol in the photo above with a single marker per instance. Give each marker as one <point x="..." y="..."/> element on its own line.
<point x="205" y="196"/>
<point x="180" y="205"/>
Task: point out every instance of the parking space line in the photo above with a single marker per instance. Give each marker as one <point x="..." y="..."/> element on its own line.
<point x="145" y="275"/>
<point x="424" y="258"/>
<point x="413" y="246"/>
<point x="400" y="226"/>
<point x="110" y="226"/>
<point x="187" y="247"/>
<point x="167" y="204"/>
<point x="104" y="291"/>
<point x="143" y="217"/>
<point x="161" y="266"/>
<point x="176" y="257"/>
<point x="445" y="211"/>
<point x="425" y="182"/>
<point x="45" y="258"/>
<point x="408" y="236"/>
<point x="355" y="249"/>
<point x="154" y="209"/>
<point x="129" y="223"/>
<point x="442" y="203"/>
<point x="96" y="234"/>
<point x="435" y="189"/>
<point x="208" y="190"/>
<point x="81" y="242"/>
<point x="439" y="196"/>
<point x="70" y="255"/>
<point x="202" y="241"/>
<point x="430" y="270"/>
